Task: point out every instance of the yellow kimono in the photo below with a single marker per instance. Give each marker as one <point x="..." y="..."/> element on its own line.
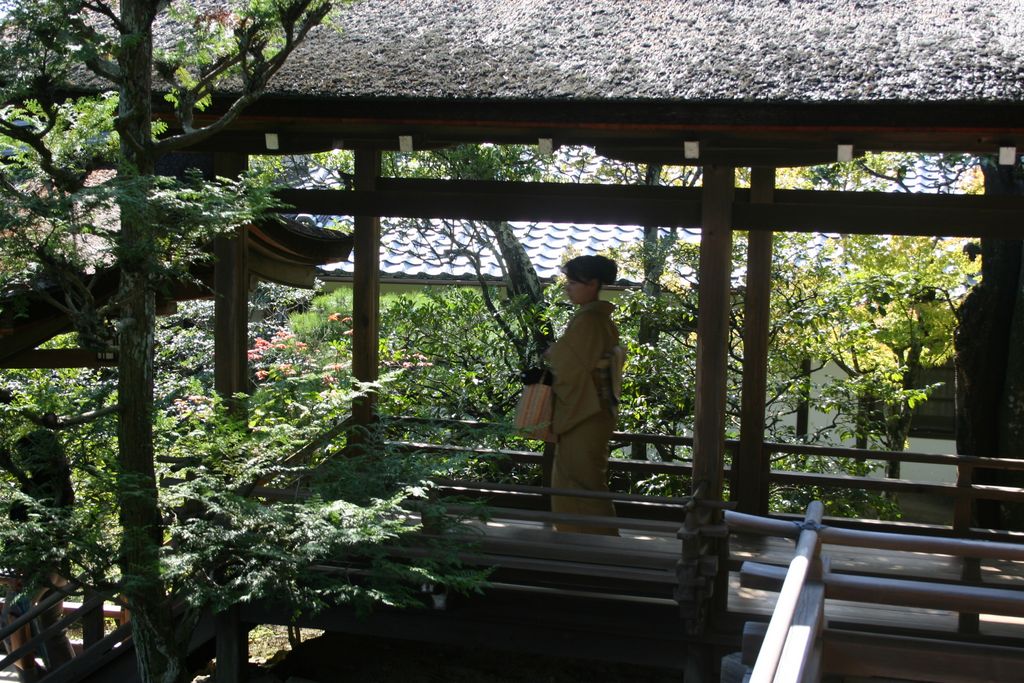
<point x="583" y="416"/>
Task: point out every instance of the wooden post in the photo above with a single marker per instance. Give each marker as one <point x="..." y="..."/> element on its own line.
<point x="970" y="568"/>
<point x="232" y="648"/>
<point x="366" y="290"/>
<point x="752" y="466"/>
<point x="231" y="300"/>
<point x="92" y="621"/>
<point x="714" y="274"/>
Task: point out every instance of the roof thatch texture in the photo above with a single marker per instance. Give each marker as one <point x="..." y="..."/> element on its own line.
<point x="683" y="50"/>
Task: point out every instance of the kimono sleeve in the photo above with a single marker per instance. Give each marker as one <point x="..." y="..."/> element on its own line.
<point x="572" y="359"/>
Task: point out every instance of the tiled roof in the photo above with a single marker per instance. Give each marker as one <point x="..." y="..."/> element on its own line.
<point x="421" y="255"/>
<point x="675" y="50"/>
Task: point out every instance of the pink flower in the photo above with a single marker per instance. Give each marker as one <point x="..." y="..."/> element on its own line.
<point x="261" y="375"/>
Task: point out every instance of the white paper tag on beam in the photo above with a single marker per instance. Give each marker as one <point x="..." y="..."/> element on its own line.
<point x="405" y="144"/>
<point x="1007" y="156"/>
<point x="844" y="152"/>
<point x="691" y="149"/>
<point x="545" y="147"/>
<point x="271" y="141"/>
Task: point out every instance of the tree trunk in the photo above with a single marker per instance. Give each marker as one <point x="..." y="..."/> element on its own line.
<point x="156" y="650"/>
<point x="522" y="282"/>
<point x="899" y="418"/>
<point x="654" y="266"/>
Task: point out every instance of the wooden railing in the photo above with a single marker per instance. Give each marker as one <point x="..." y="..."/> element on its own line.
<point x="961" y="495"/>
<point x="88" y="613"/>
<point x="798" y="645"/>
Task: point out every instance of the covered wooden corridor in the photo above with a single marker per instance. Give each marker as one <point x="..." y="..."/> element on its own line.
<point x="669" y="589"/>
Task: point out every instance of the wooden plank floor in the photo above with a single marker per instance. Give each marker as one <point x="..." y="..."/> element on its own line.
<point x="657" y="553"/>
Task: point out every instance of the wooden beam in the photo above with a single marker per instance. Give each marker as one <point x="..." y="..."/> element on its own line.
<point x="366" y="289"/>
<point x="886" y="213"/>
<point x="750" y="485"/>
<point x="791" y="210"/>
<point x="494" y="200"/>
<point x="889" y="126"/>
<point x="714" y="272"/>
<point x="231" y="299"/>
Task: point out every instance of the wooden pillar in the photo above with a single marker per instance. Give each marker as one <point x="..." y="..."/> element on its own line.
<point x="92" y="621"/>
<point x="232" y="647"/>
<point x="366" y="290"/>
<point x="713" y="304"/>
<point x="752" y="465"/>
<point x="231" y="298"/>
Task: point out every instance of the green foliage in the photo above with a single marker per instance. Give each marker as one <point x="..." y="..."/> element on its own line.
<point x="658" y="387"/>
<point x="879" y="308"/>
<point x="450" y="355"/>
<point x="82" y="536"/>
<point x="471" y="162"/>
<point x="339" y="542"/>
<point x="349" y="541"/>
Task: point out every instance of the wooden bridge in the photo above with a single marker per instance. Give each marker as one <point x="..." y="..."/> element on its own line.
<point x="687" y="582"/>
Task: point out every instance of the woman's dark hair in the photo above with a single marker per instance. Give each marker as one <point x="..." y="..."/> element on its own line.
<point x="587" y="268"/>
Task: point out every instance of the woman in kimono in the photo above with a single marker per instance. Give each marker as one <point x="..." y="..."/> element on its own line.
<point x="584" y="410"/>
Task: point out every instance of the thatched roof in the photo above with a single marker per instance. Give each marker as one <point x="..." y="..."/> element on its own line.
<point x="684" y="50"/>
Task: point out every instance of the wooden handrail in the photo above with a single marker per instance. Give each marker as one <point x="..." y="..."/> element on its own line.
<point x="58" y="595"/>
<point x="963" y="493"/>
<point x="782" y="659"/>
<point x="975" y="491"/>
<point x="958" y="547"/>
<point x="897" y="456"/>
<point x="782" y="618"/>
<point x="33" y="643"/>
<point x="901" y="592"/>
<point x="683" y="502"/>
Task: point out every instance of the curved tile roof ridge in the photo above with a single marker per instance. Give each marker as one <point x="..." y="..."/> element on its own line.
<point x="428" y="255"/>
<point x="677" y="50"/>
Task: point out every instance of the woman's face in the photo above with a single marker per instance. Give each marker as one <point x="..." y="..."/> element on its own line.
<point x="581" y="293"/>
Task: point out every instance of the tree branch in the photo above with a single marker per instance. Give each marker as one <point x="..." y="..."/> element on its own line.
<point x="256" y="74"/>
